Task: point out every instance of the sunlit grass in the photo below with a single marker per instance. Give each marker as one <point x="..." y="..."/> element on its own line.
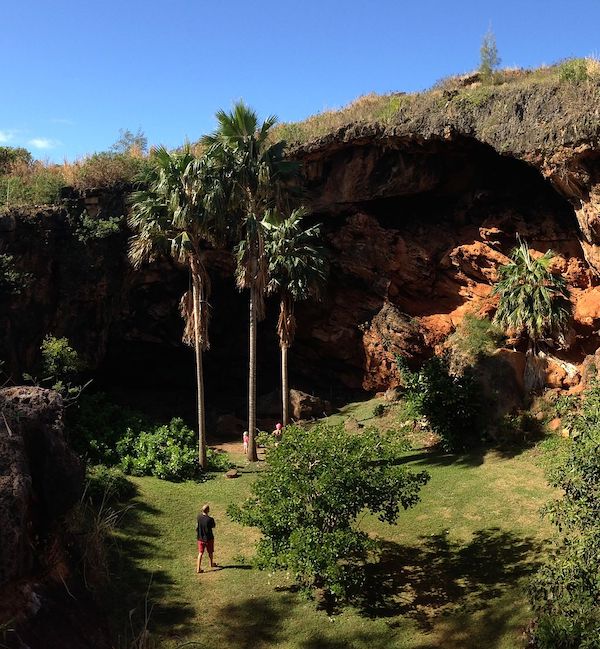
<point x="451" y="573"/>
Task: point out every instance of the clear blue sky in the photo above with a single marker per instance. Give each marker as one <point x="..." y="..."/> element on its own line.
<point x="76" y="71"/>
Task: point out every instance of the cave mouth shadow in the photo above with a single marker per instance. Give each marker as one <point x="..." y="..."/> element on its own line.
<point x="443" y="577"/>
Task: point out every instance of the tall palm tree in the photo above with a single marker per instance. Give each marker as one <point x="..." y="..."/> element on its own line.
<point x="171" y="215"/>
<point x="297" y="268"/>
<point x="254" y="172"/>
<point x="534" y="305"/>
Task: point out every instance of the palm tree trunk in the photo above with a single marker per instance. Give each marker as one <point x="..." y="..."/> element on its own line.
<point x="535" y="370"/>
<point x="199" y="377"/>
<point x="252" y="456"/>
<point x="285" y="391"/>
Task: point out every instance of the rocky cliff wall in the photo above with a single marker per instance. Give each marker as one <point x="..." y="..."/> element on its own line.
<point x="417" y="216"/>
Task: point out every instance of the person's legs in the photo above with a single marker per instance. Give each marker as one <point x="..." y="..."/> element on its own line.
<point x="210" y="546"/>
<point x="200" y="553"/>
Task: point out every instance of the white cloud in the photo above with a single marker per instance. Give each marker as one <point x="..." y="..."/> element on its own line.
<point x="43" y="143"/>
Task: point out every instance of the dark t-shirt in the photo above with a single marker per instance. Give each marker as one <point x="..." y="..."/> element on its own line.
<point x="204" y="528"/>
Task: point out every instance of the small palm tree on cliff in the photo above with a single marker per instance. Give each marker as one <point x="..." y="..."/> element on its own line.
<point x="297" y="268"/>
<point x="171" y="216"/>
<point x="534" y="305"/>
<point x="252" y="170"/>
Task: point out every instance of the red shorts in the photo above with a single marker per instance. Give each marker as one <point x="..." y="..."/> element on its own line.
<point x="206" y="545"/>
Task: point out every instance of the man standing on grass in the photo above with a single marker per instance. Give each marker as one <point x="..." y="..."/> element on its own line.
<point x="205" y="536"/>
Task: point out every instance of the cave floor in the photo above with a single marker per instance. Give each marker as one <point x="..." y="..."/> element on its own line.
<point x="452" y="572"/>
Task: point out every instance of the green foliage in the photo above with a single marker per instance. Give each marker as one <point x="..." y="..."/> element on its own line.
<point x="452" y="404"/>
<point x="60" y="366"/>
<point x="95" y="426"/>
<point x="389" y="109"/>
<point x="35" y="185"/>
<point x="476" y="96"/>
<point x="168" y="452"/>
<point x="534" y="302"/>
<point x="108" y="485"/>
<point x="306" y="505"/>
<point x="473" y="339"/>
<point x="489" y="58"/>
<point x="218" y="461"/>
<point x="108" y="169"/>
<point x="565" y="593"/>
<point x="573" y="71"/>
<point x="92" y="229"/>
<point x="59" y="359"/>
<point x="130" y="142"/>
<point x="11" y="156"/>
<point x="12" y="281"/>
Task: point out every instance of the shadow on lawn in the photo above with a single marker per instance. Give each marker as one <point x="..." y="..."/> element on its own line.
<point x="133" y="588"/>
<point x="263" y="622"/>
<point x="443" y="583"/>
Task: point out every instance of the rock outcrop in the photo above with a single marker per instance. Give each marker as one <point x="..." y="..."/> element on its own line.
<point x="417" y="213"/>
<point x="40" y="481"/>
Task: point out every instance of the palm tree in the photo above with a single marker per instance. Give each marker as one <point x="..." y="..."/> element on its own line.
<point x="254" y="172"/>
<point x="297" y="267"/>
<point x="534" y="305"/>
<point x="171" y="216"/>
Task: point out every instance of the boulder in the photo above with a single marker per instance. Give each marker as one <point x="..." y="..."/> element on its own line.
<point x="40" y="477"/>
<point x="305" y="406"/>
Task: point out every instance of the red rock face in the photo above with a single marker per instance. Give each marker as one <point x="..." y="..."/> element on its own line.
<point x="416" y="230"/>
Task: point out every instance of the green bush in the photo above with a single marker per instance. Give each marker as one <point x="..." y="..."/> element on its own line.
<point x="451" y="404"/>
<point x="565" y="593"/>
<point x="306" y="505"/>
<point x="473" y="339"/>
<point x="218" y="461"/>
<point x="12" y="281"/>
<point x="168" y="452"/>
<point x="95" y="425"/>
<point x="108" y="485"/>
<point x="573" y="71"/>
<point x="39" y="185"/>
<point x="90" y="229"/>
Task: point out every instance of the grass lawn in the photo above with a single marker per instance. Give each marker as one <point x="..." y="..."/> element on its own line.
<point x="451" y="572"/>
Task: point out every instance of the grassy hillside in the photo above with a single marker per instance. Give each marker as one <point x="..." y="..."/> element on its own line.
<point x="450" y="574"/>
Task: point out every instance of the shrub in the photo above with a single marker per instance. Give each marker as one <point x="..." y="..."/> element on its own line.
<point x="95" y="425"/>
<point x="12" y="281"/>
<point x="108" y="169"/>
<point x="319" y="480"/>
<point x="452" y="404"/>
<point x="88" y="228"/>
<point x="565" y="593"/>
<point x="473" y="339"/>
<point x="35" y="185"/>
<point x="108" y="485"/>
<point x="573" y="71"/>
<point x="168" y="452"/>
<point x="218" y="461"/>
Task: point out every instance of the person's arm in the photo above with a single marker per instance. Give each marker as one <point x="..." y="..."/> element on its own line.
<point x="213" y="524"/>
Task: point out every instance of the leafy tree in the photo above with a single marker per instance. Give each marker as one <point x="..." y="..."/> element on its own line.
<point x="489" y="60"/>
<point x="11" y="156"/>
<point x="451" y="403"/>
<point x="297" y="266"/>
<point x="12" y="281"/>
<point x="252" y="175"/>
<point x="565" y="593"/>
<point x="533" y="305"/>
<point x="130" y="142"/>
<point x="306" y="505"/>
<point x="172" y="215"/>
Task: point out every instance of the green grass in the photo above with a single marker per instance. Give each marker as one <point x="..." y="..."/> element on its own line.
<point x="451" y="573"/>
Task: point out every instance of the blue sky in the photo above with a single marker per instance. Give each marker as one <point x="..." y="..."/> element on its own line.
<point x="75" y="72"/>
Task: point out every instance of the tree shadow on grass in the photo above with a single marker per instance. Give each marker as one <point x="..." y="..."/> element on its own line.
<point x="443" y="583"/>
<point x="135" y="592"/>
